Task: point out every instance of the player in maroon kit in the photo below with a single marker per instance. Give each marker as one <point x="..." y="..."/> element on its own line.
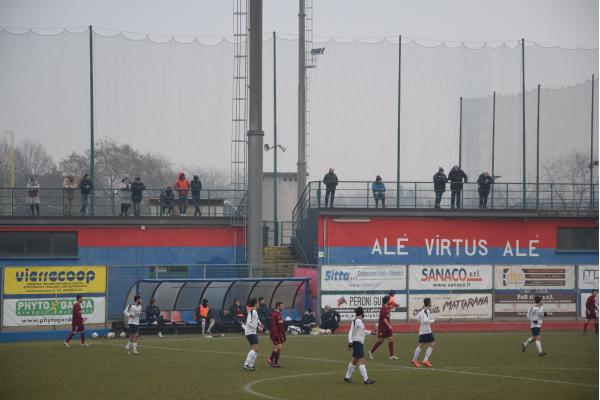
<point x="77" y="324"/>
<point x="384" y="329"/>
<point x="591" y="311"/>
<point x="277" y="335"/>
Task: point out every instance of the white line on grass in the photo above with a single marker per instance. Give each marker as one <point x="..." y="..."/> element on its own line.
<point x="400" y="367"/>
<point x="248" y="386"/>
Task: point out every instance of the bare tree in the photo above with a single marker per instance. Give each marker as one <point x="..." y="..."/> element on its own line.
<point x="113" y="160"/>
<point x="569" y="177"/>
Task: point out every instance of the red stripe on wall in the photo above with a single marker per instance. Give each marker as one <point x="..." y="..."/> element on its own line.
<point x="148" y="237"/>
<point x="495" y="231"/>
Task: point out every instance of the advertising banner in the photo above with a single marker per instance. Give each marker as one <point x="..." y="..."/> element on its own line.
<point x="346" y="303"/>
<point x="588" y="277"/>
<point x="454" y="305"/>
<point x="54" y="280"/>
<point x="363" y="278"/>
<point x="556" y="304"/>
<point x="535" y="277"/>
<point x="450" y="277"/>
<point x="583" y="300"/>
<point x="40" y="312"/>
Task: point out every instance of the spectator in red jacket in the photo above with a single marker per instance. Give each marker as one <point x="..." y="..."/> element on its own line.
<point x="277" y="334"/>
<point x="182" y="187"/>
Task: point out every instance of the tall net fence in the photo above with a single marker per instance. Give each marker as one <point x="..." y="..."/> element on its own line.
<point x="173" y="97"/>
<point x="560" y="131"/>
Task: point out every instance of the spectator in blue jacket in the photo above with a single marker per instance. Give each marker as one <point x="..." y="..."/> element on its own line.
<point x="439" y="186"/>
<point x="378" y="188"/>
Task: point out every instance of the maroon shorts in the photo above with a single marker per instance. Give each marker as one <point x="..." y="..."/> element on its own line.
<point x="384" y="332"/>
<point x="591" y="315"/>
<point x="276" y="340"/>
<point x="77" y="327"/>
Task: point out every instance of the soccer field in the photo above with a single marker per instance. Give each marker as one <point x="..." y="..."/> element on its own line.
<point x="465" y="366"/>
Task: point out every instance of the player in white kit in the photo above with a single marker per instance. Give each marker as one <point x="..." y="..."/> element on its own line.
<point x="425" y="336"/>
<point x="536" y="315"/>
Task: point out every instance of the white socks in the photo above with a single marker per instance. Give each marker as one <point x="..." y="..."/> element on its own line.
<point x="538" y="345"/>
<point x="250" y="358"/>
<point x="428" y="353"/>
<point x="417" y="352"/>
<point x="525" y="343"/>
<point x="203" y="325"/>
<point x="350" y="370"/>
<point x="134" y="345"/>
<point x="212" y="323"/>
<point x="363" y="371"/>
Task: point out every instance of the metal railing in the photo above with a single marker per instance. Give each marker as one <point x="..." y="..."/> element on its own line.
<point x="502" y="196"/>
<point x="107" y="202"/>
<point x="277" y="234"/>
<point x="358" y="194"/>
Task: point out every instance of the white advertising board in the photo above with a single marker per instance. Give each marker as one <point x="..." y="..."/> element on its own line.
<point x="345" y="304"/>
<point x="588" y="277"/>
<point x="358" y="278"/>
<point x="534" y="277"/>
<point x="43" y="312"/>
<point x="450" y="277"/>
<point x="453" y="305"/>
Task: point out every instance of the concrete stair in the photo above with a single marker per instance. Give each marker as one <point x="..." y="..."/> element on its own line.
<point x="280" y="260"/>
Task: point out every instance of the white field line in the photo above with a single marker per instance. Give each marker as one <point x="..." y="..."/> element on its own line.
<point x="431" y="370"/>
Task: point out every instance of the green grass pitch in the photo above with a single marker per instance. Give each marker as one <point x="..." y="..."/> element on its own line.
<point x="465" y="366"/>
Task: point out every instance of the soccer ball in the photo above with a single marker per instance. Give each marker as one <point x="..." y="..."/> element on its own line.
<point x="95" y="335"/>
<point x="110" y="335"/>
<point x="123" y="334"/>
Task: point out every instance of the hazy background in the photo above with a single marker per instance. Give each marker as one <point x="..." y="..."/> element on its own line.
<point x="173" y="97"/>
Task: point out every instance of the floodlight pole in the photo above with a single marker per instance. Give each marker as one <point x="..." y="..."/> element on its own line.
<point x="460" y="132"/>
<point x="255" y="137"/>
<point x="524" y="135"/>
<point x="301" y="100"/>
<point x="592" y="148"/>
<point x="92" y="150"/>
<point x="398" y="127"/>
<point x="537" y="153"/>
<point x="275" y="216"/>
<point x="493" y="143"/>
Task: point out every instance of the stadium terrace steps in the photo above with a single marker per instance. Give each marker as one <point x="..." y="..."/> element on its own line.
<point x="281" y="258"/>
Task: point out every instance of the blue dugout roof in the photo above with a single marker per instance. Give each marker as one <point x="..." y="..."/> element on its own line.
<point x="186" y="294"/>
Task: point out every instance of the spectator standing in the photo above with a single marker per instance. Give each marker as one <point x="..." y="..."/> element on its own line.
<point x="33" y="195"/>
<point x="484" y="185"/>
<point x="331" y="181"/>
<point x="456" y="178"/>
<point x="330" y="319"/>
<point x="182" y="187"/>
<point x="196" y="186"/>
<point x="153" y="316"/>
<point x="378" y="188"/>
<point x="124" y="195"/>
<point x="167" y="201"/>
<point x="137" y="193"/>
<point x="85" y="186"/>
<point x="439" y="185"/>
<point x="69" y="186"/>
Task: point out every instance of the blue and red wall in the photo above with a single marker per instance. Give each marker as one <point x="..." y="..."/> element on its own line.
<point x="131" y="251"/>
<point x="441" y="240"/>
